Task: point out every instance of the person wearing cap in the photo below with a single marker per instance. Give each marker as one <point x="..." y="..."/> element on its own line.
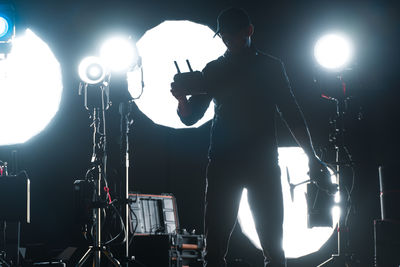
<point x="248" y="89"/>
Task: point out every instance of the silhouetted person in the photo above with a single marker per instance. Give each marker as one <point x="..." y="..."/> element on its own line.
<point x="247" y="88"/>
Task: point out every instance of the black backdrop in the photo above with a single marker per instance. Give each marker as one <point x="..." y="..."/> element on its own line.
<point x="170" y="160"/>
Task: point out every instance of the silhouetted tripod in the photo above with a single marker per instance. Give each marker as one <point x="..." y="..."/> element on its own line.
<point x="99" y="161"/>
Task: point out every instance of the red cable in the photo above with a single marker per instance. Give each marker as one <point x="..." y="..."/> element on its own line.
<point x="107" y="190"/>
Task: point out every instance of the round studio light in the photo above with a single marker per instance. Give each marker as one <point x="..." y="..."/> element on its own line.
<point x="298" y="239"/>
<point x="4" y="27"/>
<point x="159" y="47"/>
<point x="95" y="72"/>
<point x="333" y="51"/>
<point x="119" y="54"/>
<point x="92" y="70"/>
<point x="30" y="89"/>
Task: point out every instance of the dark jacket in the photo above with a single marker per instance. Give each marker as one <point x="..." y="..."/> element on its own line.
<point x="246" y="90"/>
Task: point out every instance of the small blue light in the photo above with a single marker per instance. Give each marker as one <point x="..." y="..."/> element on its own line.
<point x="4" y="27"/>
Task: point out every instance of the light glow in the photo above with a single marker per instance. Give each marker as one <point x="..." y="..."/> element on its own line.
<point x="3" y="26"/>
<point x="92" y="70"/>
<point x="333" y="51"/>
<point x="118" y="54"/>
<point x="298" y="240"/>
<point x="159" y="47"/>
<point x="30" y="89"/>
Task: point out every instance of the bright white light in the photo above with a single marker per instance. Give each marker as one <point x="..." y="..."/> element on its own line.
<point x="159" y="47"/>
<point x="30" y="89"/>
<point x="3" y="26"/>
<point x="91" y="70"/>
<point x="118" y="53"/>
<point x="333" y="51"/>
<point x="337" y="197"/>
<point x="95" y="71"/>
<point x="298" y="240"/>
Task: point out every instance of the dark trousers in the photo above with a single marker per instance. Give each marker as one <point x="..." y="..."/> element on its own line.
<point x="225" y="183"/>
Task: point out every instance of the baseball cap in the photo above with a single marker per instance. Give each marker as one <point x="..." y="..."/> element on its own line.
<point x="231" y="20"/>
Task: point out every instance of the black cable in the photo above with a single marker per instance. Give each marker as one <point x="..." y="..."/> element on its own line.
<point x="349" y="200"/>
<point x="141" y="83"/>
<point x="89" y="171"/>
<point x="122" y="227"/>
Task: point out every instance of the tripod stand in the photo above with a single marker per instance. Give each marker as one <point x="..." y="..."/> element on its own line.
<point x="99" y="160"/>
<point x="342" y="258"/>
<point x="124" y="110"/>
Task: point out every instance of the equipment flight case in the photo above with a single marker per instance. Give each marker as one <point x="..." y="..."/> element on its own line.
<point x="158" y="242"/>
<point x="169" y="250"/>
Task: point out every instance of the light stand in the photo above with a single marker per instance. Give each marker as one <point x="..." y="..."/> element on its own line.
<point x="124" y="110"/>
<point x="126" y="121"/>
<point x="93" y="70"/>
<point x="3" y="255"/>
<point x="342" y="258"/>
<point x="99" y="160"/>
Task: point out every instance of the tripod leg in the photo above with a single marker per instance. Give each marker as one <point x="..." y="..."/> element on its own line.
<point x="84" y="257"/>
<point x="4" y="263"/>
<point x="110" y="257"/>
<point x="328" y="262"/>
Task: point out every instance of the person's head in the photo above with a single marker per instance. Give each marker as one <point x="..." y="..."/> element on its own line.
<point x="235" y="29"/>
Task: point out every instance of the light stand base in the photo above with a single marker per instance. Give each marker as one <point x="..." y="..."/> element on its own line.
<point x="335" y="260"/>
<point x="3" y="261"/>
<point x="340" y="261"/>
<point x="93" y="250"/>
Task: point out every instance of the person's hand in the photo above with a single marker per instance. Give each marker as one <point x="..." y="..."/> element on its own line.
<point x="188" y="83"/>
<point x="320" y="175"/>
<point x="178" y="91"/>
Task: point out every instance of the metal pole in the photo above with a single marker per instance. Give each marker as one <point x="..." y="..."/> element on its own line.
<point x="99" y="158"/>
<point x="127" y="202"/>
<point x="97" y="252"/>
<point x="97" y="246"/>
<point x="125" y="123"/>
<point x="340" y="259"/>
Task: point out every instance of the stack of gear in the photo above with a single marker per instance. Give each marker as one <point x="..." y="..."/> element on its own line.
<point x="157" y="238"/>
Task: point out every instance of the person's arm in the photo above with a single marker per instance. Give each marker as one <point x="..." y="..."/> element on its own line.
<point x="294" y="119"/>
<point x="291" y="113"/>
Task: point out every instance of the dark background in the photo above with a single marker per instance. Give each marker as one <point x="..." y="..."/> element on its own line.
<point x="171" y="160"/>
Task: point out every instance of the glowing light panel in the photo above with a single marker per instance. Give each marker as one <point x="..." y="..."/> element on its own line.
<point x="118" y="53"/>
<point x="159" y="47"/>
<point x="3" y="26"/>
<point x="30" y="89"/>
<point x="298" y="240"/>
<point x="333" y="51"/>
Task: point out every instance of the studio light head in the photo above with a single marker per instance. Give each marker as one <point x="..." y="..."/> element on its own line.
<point x="119" y="54"/>
<point x="333" y="52"/>
<point x="92" y="70"/>
<point x="7" y="27"/>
